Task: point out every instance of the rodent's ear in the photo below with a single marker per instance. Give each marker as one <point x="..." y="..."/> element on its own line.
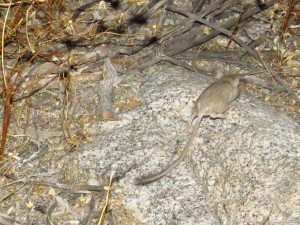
<point x="219" y="74"/>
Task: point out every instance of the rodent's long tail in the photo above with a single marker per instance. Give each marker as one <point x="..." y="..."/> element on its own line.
<point x="154" y="177"/>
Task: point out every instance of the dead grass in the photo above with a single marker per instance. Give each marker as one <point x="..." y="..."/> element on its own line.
<point x="49" y="111"/>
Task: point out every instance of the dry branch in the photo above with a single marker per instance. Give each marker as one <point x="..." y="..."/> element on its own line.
<point x="175" y="46"/>
<point x="222" y="30"/>
<point x="105" y="91"/>
<point x="249" y="49"/>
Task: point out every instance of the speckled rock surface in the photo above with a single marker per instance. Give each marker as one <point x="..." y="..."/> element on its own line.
<point x="242" y="170"/>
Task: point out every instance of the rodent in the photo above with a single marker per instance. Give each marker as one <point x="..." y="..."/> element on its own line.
<point x="212" y="102"/>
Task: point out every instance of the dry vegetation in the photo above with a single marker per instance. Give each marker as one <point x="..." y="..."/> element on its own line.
<point x="52" y="56"/>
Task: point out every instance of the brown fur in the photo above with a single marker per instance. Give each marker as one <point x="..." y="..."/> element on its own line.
<point x="213" y="102"/>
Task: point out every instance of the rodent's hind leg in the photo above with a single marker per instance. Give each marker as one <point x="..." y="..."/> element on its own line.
<point x="216" y="115"/>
